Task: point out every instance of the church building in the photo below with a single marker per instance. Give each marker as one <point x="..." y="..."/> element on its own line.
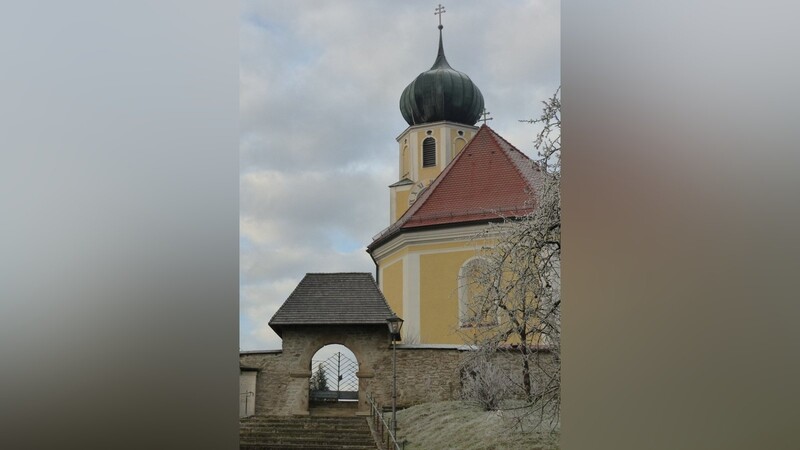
<point x="453" y="179"/>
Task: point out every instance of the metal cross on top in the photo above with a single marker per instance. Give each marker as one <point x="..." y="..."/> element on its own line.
<point x="439" y="11"/>
<point x="485" y="115"/>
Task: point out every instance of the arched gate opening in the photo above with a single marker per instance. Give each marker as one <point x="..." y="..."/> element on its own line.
<point x="333" y="387"/>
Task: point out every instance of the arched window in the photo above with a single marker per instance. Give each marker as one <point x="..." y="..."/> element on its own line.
<point x="475" y="305"/>
<point x="428" y="152"/>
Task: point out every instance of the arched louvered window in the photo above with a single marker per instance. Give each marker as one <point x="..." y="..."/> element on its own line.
<point x="428" y="152"/>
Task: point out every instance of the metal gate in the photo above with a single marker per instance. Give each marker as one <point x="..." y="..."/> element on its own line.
<point x="333" y="379"/>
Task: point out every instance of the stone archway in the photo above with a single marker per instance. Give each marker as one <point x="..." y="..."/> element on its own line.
<point x="327" y="308"/>
<point x="367" y="342"/>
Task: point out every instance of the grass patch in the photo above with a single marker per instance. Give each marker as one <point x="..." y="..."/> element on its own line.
<point x="460" y="425"/>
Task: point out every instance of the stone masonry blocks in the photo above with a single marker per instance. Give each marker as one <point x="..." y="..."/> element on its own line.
<point x="424" y="374"/>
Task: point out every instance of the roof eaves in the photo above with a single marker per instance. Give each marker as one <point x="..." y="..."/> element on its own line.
<point x="403" y="182"/>
<point x="525" y="166"/>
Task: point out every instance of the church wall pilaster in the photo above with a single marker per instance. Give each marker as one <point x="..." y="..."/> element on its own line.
<point x="411" y="299"/>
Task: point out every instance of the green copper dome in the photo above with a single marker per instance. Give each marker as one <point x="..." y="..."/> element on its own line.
<point x="441" y="93"/>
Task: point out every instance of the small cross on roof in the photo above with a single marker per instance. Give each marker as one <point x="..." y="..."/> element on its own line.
<point x="485" y="116"/>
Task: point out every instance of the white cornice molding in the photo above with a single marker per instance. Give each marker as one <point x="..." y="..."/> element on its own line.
<point x="435" y="124"/>
<point x="435" y="236"/>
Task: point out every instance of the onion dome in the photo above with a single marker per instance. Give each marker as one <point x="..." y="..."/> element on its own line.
<point x="441" y="93"/>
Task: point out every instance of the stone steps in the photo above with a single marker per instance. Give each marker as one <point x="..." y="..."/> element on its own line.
<point x="298" y="419"/>
<point x="309" y="443"/>
<point x="294" y="429"/>
<point x="306" y="446"/>
<point x="312" y="433"/>
<point x="333" y="409"/>
<point x="339" y="437"/>
<point x="302" y="425"/>
<point x="279" y="426"/>
<point x="297" y="444"/>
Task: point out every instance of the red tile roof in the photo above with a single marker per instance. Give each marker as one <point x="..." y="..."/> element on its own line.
<point x="487" y="180"/>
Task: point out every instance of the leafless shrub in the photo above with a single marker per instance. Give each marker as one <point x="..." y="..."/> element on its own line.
<point x="485" y="384"/>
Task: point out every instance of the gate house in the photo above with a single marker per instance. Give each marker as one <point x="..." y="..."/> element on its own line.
<point x="325" y="308"/>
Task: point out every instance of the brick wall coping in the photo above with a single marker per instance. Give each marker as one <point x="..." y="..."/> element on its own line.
<point x="436" y="347"/>
<point x="258" y="352"/>
<point x="462" y="347"/>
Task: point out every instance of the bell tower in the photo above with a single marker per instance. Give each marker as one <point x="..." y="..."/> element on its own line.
<point x="441" y="107"/>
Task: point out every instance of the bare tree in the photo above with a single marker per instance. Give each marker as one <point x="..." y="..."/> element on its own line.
<point x="514" y="301"/>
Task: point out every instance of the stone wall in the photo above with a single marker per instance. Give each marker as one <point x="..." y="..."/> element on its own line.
<point x="283" y="379"/>
<point x="428" y="373"/>
<point x="424" y="372"/>
<point x="247" y="389"/>
<point x="271" y="378"/>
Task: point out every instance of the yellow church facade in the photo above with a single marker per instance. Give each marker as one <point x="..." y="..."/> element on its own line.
<point x="427" y="266"/>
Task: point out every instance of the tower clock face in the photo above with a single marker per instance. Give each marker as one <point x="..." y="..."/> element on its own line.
<point x="416" y="191"/>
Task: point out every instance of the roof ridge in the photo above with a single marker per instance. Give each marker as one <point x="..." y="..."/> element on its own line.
<point x="507" y="146"/>
<point x="339" y="273"/>
<point x="514" y="154"/>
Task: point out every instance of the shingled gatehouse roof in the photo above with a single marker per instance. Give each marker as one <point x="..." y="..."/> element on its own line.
<point x="333" y="299"/>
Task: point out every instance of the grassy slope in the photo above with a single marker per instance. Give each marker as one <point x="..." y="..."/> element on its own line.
<point x="462" y="426"/>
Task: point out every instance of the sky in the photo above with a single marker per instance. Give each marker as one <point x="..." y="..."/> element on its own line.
<point x="319" y="86"/>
